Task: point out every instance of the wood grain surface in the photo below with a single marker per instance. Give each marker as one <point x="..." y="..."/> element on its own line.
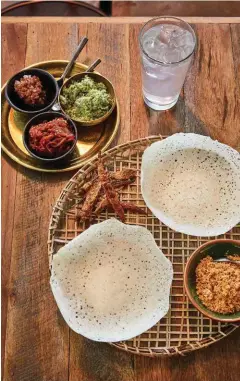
<point x="37" y="345"/>
<point x="116" y="20"/>
<point x="176" y="8"/>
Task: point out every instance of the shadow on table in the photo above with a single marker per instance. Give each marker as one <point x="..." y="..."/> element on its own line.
<point x="180" y="118"/>
<point x="102" y="362"/>
<point x="36" y="175"/>
<point x="90" y="360"/>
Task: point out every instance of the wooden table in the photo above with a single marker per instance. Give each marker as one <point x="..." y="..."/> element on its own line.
<point x="38" y="344"/>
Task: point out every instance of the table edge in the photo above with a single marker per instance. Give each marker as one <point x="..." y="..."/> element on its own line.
<point x="114" y="20"/>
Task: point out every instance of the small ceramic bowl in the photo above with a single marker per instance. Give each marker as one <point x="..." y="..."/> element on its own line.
<point x="97" y="78"/>
<point x="47" y="116"/>
<point x="49" y="85"/>
<point x="216" y="249"/>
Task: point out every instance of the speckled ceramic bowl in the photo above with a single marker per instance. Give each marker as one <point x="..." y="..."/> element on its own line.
<point x="216" y="249"/>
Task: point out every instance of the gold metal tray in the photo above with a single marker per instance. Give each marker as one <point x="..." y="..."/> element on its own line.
<point x="90" y="139"/>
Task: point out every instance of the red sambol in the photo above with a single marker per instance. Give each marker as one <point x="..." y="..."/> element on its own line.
<point x="30" y="89"/>
<point x="51" y="139"/>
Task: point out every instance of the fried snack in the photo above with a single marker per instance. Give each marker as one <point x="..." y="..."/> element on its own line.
<point x="133" y="207"/>
<point x="119" y="184"/>
<point x="102" y="189"/>
<point x="119" y="179"/>
<point x="125" y="174"/>
<point x="101" y="205"/>
<point x="85" y="188"/>
<point x="104" y="204"/>
<point x="110" y="192"/>
<point x="90" y="201"/>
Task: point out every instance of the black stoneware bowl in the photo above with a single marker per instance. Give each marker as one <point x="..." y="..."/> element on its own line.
<point x="49" y="85"/>
<point x="46" y="117"/>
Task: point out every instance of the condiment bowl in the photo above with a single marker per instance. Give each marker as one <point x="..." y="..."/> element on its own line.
<point x="216" y="249"/>
<point x="49" y="84"/>
<point x="97" y="78"/>
<point x="46" y="117"/>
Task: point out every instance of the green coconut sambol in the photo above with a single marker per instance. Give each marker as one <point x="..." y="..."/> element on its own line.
<point x="86" y="100"/>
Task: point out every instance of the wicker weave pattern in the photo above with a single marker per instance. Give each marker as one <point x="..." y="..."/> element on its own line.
<point x="184" y="329"/>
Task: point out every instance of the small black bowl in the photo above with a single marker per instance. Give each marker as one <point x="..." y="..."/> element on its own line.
<point x="49" y="85"/>
<point x="46" y="117"/>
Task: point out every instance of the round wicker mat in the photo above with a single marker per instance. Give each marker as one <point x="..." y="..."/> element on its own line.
<point x="183" y="329"/>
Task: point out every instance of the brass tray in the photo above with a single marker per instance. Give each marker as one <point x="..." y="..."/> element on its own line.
<point x="90" y="139"/>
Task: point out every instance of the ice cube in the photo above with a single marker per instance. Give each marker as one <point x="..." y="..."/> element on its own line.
<point x="183" y="38"/>
<point x="187" y="50"/>
<point x="165" y="43"/>
<point x="173" y="55"/>
<point x="164" y="36"/>
<point x="154" y="48"/>
<point x="148" y="45"/>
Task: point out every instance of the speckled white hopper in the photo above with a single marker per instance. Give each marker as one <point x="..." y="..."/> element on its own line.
<point x="111" y="282"/>
<point x="192" y="184"/>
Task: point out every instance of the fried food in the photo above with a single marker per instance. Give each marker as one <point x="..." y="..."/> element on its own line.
<point x="110" y="192"/>
<point x="119" y="179"/>
<point x="104" y="204"/>
<point x="101" y="192"/>
<point x="125" y="174"/>
<point x="89" y="201"/>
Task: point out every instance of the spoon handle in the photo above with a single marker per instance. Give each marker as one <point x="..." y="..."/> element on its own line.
<point x="74" y="57"/>
<point x="93" y="65"/>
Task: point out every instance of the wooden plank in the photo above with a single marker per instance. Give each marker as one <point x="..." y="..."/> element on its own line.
<point x="88" y="360"/>
<point x="211" y="93"/>
<point x="37" y="337"/>
<point x="115" y="20"/>
<point x="92" y="361"/>
<point x="235" y="36"/>
<point x="218" y="362"/>
<point x="8" y="196"/>
<point x="111" y="43"/>
<point x="47" y="41"/>
<point x="35" y="328"/>
<point x="139" y="113"/>
<point x="12" y="61"/>
<point x="177" y="8"/>
<point x="13" y="58"/>
<point x="144" y="121"/>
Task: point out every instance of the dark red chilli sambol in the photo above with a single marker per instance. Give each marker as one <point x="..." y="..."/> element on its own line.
<point x="30" y="89"/>
<point x="51" y="139"/>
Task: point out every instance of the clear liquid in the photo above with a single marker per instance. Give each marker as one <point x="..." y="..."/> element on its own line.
<point x="162" y="83"/>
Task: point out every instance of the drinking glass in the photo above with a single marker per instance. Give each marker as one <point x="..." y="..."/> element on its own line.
<point x="167" y="45"/>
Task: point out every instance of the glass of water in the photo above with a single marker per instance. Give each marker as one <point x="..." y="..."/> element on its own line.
<point x="167" y="45"/>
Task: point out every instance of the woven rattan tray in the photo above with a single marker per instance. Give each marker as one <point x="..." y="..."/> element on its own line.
<point x="184" y="329"/>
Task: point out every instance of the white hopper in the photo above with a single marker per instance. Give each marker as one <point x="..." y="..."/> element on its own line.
<point x="111" y="282"/>
<point x="192" y="184"/>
